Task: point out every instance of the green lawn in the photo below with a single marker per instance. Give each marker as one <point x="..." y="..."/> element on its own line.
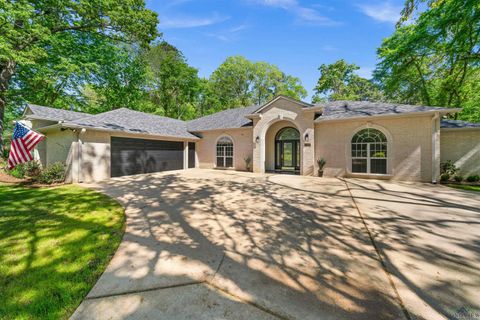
<point x="465" y="187"/>
<point x="54" y="244"/>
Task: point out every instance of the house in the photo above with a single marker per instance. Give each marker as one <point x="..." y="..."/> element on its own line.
<point x="357" y="139"/>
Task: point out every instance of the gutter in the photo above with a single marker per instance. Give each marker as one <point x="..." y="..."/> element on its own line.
<point x="394" y="115"/>
<point x="74" y="126"/>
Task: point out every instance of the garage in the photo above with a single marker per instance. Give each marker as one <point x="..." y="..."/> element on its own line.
<point x="135" y="156"/>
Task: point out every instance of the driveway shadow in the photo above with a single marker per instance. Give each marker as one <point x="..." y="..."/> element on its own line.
<point x="262" y="240"/>
<point x="429" y="238"/>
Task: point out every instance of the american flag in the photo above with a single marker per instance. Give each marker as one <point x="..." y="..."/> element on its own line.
<point x="23" y="141"/>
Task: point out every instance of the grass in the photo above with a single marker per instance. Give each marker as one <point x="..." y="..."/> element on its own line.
<point x="54" y="245"/>
<point x="465" y="187"/>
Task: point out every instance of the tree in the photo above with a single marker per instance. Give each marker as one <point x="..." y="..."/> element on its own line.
<point x="338" y="81"/>
<point x="434" y="59"/>
<point x="29" y="28"/>
<point x="120" y="82"/>
<point x="173" y="85"/>
<point x="239" y="82"/>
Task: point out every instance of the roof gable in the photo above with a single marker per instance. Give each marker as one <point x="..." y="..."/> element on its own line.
<point x="53" y="114"/>
<point x="265" y="107"/>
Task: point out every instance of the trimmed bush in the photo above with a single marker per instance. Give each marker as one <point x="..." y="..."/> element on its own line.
<point x="19" y="171"/>
<point x="448" y="167"/>
<point x="33" y="169"/>
<point x="54" y="173"/>
<point x="473" y="178"/>
<point x="445" y="177"/>
<point x="458" y="178"/>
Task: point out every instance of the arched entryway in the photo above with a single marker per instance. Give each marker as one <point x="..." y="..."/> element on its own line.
<point x="287" y="150"/>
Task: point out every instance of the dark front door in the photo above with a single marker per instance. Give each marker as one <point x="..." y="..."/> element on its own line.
<point x="134" y="156"/>
<point x="287" y="150"/>
<point x="191" y="154"/>
<point x="287" y="157"/>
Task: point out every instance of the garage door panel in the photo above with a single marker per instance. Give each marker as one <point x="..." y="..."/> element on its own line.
<point x="135" y="156"/>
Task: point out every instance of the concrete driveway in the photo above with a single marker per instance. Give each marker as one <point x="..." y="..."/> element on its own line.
<point x="205" y="244"/>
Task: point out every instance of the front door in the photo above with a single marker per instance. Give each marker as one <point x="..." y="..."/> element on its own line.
<point x="287" y="150"/>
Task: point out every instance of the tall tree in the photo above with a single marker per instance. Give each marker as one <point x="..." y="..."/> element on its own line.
<point x="119" y="82"/>
<point x="29" y="27"/>
<point x="241" y="82"/>
<point x="174" y="86"/>
<point x="433" y="57"/>
<point x="338" y="81"/>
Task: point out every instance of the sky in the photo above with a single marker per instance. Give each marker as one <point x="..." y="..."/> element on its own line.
<point x="297" y="36"/>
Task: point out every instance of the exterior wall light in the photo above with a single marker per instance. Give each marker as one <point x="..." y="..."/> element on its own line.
<point x="257" y="139"/>
<point x="307" y="138"/>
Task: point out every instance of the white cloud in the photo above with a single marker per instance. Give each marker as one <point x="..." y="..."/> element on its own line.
<point x="229" y="35"/>
<point x="382" y="12"/>
<point x="303" y="14"/>
<point x="190" y="22"/>
<point x="365" y="72"/>
<point x="329" y="48"/>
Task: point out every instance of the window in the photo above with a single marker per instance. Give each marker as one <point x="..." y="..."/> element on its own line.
<point x="288" y="134"/>
<point x="369" y="152"/>
<point x="224" y="152"/>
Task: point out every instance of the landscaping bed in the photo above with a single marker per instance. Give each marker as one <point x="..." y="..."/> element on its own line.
<point x="54" y="245"/>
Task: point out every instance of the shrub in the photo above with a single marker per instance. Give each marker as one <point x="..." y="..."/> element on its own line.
<point x="248" y="161"/>
<point x="321" y="163"/>
<point x="473" y="178"/>
<point x="448" y="167"/>
<point x="458" y="178"/>
<point x="32" y="169"/>
<point x="444" y="177"/>
<point x="54" y="173"/>
<point x="19" y="171"/>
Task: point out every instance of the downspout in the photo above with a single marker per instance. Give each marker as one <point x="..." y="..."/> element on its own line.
<point x="435" y="148"/>
<point x="79" y="154"/>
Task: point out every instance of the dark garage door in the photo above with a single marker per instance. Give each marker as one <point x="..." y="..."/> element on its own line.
<point x="134" y="156"/>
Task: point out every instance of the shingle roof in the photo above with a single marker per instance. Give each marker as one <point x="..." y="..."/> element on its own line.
<point x="127" y="120"/>
<point x="337" y="110"/>
<point x="457" y="124"/>
<point x="228" y="119"/>
<point x="55" y="114"/>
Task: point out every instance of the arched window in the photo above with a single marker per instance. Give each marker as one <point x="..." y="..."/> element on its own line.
<point x="288" y="134"/>
<point x="224" y="152"/>
<point x="369" y="152"/>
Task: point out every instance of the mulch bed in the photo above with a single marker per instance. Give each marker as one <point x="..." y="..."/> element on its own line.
<point x="8" y="179"/>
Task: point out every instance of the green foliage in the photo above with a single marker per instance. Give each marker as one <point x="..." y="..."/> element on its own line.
<point x="173" y="85"/>
<point x="338" y="81"/>
<point x="434" y="59"/>
<point x="444" y="177"/>
<point x="48" y="49"/>
<point x="32" y="168"/>
<point x="248" y="162"/>
<point x="473" y="178"/>
<point x="321" y="162"/>
<point x="448" y="167"/>
<point x="240" y="82"/>
<point x="465" y="187"/>
<point x="54" y="173"/>
<point x="458" y="178"/>
<point x="54" y="243"/>
<point x="19" y="171"/>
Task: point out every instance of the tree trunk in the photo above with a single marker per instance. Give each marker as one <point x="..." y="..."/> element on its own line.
<point x="7" y="69"/>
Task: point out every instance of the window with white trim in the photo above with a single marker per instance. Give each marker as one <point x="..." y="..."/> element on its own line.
<point x="224" y="152"/>
<point x="369" y="152"/>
